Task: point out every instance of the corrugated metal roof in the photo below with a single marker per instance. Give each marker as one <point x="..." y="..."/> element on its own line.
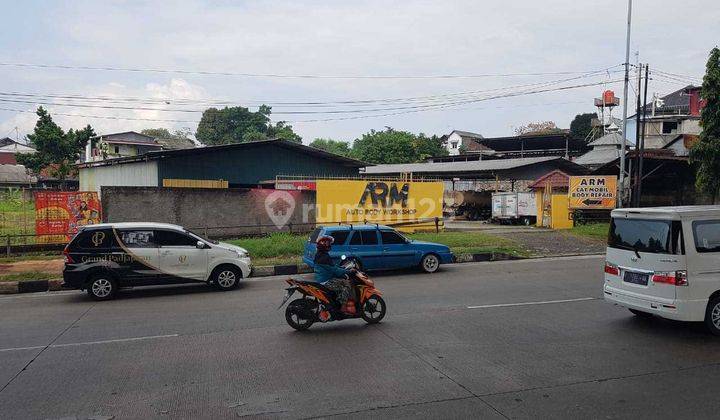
<point x="471" y="166"/>
<point x="15" y="174"/>
<point x="610" y="138"/>
<point x="468" y="134"/>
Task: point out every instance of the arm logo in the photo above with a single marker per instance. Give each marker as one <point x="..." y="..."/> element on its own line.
<point x="98" y="238"/>
<point x="380" y="194"/>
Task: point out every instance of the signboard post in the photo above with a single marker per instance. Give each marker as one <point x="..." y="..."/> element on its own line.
<point x="593" y="192"/>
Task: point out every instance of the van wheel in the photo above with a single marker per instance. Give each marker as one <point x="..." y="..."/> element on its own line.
<point x="641" y="314"/>
<point x="226" y="277"/>
<point x="712" y="316"/>
<point x="102" y="287"/>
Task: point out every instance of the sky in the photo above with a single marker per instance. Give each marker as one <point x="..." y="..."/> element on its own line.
<point x="455" y="60"/>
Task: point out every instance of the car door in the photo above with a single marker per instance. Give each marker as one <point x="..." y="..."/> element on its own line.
<point x="364" y="245"/>
<point x="339" y="246"/>
<point x="397" y="252"/>
<point x="180" y="258"/>
<point x="704" y="264"/>
<point x="142" y="249"/>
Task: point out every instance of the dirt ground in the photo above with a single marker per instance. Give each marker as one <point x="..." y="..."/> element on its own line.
<point x="543" y="242"/>
<point x="46" y="266"/>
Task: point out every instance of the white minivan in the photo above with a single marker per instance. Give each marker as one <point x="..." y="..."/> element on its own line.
<point x="665" y="261"/>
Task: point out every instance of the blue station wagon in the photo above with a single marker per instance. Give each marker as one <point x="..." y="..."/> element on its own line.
<point x="378" y="247"/>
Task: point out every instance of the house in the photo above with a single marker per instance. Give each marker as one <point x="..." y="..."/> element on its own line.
<point x="9" y="148"/>
<point x="117" y="145"/>
<point x="459" y="142"/>
<point x="559" y="144"/>
<point x="670" y="116"/>
<point x="604" y="150"/>
<point x="175" y="143"/>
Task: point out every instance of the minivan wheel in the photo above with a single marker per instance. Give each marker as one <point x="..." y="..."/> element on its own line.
<point x="226" y="278"/>
<point x="102" y="287"/>
<point x="712" y="316"/>
<point x="430" y="263"/>
<point x="641" y="314"/>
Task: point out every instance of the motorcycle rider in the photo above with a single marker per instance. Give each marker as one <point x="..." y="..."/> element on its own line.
<point x="331" y="276"/>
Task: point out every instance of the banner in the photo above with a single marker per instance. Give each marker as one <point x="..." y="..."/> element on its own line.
<point x="592" y="192"/>
<point x="58" y="214"/>
<point x="408" y="205"/>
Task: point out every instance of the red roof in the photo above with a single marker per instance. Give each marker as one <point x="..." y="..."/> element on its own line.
<point x="556" y="178"/>
<point x="7" y="159"/>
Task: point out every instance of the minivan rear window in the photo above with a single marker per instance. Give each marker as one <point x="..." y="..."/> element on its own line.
<point x="646" y="235"/>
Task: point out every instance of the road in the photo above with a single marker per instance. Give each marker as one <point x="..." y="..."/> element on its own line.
<point x="516" y="339"/>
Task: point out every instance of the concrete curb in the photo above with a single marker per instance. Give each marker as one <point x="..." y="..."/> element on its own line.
<point x="34" y="286"/>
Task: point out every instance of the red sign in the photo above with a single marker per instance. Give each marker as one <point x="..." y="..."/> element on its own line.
<point x="58" y="215"/>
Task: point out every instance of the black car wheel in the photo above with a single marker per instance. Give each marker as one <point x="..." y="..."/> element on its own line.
<point x="102" y="287"/>
<point x="226" y="277"/>
<point x="712" y="316"/>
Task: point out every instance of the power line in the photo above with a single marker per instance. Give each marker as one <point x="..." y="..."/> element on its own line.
<point x="281" y="76"/>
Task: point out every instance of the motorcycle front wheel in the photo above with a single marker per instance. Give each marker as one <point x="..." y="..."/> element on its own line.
<point x="299" y="314"/>
<point x="373" y="309"/>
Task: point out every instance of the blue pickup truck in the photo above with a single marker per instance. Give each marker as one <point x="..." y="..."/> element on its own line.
<point x="378" y="247"/>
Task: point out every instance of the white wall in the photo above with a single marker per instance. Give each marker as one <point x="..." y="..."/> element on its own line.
<point x="140" y="174"/>
<point x="454" y="138"/>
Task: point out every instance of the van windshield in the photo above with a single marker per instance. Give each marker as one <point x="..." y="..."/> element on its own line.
<point x="644" y="235"/>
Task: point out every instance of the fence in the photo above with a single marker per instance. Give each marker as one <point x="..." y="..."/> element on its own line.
<point x="17" y="215"/>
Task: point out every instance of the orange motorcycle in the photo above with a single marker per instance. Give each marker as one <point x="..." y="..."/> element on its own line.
<point x="316" y="304"/>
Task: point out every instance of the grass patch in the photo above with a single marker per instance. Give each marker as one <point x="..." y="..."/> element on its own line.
<point x="28" y="276"/>
<point x="597" y="231"/>
<point x="284" y="248"/>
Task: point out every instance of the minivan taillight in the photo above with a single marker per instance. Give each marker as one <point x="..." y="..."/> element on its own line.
<point x="611" y="269"/>
<point x="675" y="278"/>
<point x="66" y="255"/>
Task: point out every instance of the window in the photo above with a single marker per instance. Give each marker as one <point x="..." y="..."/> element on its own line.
<point x="138" y="238"/>
<point x="117" y="150"/>
<point x="643" y="235"/>
<point x="391" y="238"/>
<point x="668" y="127"/>
<point x="314" y="235"/>
<point x="707" y="235"/>
<point x="171" y="238"/>
<point x="340" y="236"/>
<point x="454" y="144"/>
<point x="369" y="237"/>
<point x="356" y="239"/>
<point x="94" y="239"/>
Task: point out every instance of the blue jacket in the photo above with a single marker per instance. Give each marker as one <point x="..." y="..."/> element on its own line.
<point x="325" y="272"/>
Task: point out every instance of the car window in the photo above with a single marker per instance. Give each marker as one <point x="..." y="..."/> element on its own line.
<point x="314" y="235"/>
<point x="369" y="237"/>
<point x="340" y="236"/>
<point x="391" y="238"/>
<point x="96" y="239"/>
<point x="138" y="238"/>
<point x="172" y="238"/>
<point x="707" y="235"/>
<point x="645" y="235"/>
<point x="356" y="239"/>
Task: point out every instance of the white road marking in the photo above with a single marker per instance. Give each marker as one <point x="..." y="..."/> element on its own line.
<point x="88" y="343"/>
<point x="542" y="302"/>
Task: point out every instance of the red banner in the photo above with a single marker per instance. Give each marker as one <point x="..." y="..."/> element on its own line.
<point x="58" y="215"/>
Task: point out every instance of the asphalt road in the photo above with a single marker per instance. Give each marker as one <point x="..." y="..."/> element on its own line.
<point x="515" y="339"/>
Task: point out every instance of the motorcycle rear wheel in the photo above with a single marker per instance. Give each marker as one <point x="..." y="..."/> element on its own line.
<point x="373" y="309"/>
<point x="299" y="314"/>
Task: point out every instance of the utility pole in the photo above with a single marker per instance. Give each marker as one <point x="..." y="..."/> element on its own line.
<point x="621" y="188"/>
<point x="642" y="137"/>
<point x="636" y="202"/>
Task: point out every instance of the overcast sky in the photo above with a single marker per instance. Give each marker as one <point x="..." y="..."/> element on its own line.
<point x="339" y="38"/>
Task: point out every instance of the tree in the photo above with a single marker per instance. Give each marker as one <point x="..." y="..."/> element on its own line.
<point x="581" y="126"/>
<point x="164" y="133"/>
<point x="705" y="153"/>
<point x="238" y="125"/>
<point x="393" y="146"/>
<point x="542" y="127"/>
<point x="333" y="146"/>
<point x="57" y="151"/>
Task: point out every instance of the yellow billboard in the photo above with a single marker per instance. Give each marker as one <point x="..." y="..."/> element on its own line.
<point x="409" y="206"/>
<point x="592" y="192"/>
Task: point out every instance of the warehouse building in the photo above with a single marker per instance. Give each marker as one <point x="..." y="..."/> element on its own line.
<point x="242" y="165"/>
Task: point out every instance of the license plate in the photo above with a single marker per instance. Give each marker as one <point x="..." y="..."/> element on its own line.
<point x="636" y="278"/>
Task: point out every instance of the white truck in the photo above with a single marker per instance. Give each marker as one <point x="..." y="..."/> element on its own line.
<point x="514" y="207"/>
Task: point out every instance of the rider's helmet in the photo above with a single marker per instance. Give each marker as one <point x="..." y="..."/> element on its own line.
<point x="324" y="243"/>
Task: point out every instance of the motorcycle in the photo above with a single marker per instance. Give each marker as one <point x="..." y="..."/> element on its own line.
<point x="316" y="304"/>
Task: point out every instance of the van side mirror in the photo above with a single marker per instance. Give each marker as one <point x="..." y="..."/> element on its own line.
<point x="200" y="245"/>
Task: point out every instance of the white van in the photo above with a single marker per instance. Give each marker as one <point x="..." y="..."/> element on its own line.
<point x="665" y="261"/>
